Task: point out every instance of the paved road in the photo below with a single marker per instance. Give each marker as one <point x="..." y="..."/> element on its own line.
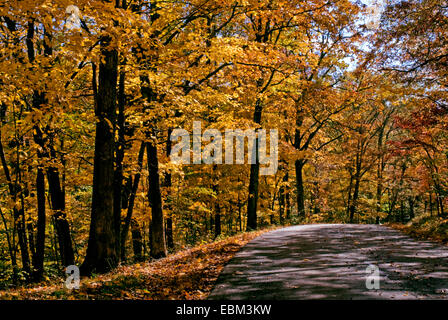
<point x="330" y="261"/>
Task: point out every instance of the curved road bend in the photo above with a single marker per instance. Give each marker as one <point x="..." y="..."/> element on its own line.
<point x="330" y="261"/>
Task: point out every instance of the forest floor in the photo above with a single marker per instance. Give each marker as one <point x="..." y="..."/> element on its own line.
<point x="425" y="227"/>
<point x="186" y="275"/>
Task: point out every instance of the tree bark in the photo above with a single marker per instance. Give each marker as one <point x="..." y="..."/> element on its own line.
<point x="411" y="208"/>
<point x="158" y="241"/>
<point x="60" y="218"/>
<point x="168" y="184"/>
<point x="137" y="240"/>
<point x="300" y="190"/>
<point x="119" y="156"/>
<point x="354" y="199"/>
<point x="252" y="200"/>
<point x="102" y="253"/>
<point x="128" y="219"/>
<point x="38" y="265"/>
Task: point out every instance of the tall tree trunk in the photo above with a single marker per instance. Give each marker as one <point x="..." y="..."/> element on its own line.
<point x="354" y="199"/>
<point x="38" y="265"/>
<point x="38" y="100"/>
<point x="217" y="222"/>
<point x="128" y="219"/>
<point x="19" y="221"/>
<point x="411" y="208"/>
<point x="119" y="156"/>
<point x="56" y="191"/>
<point x="300" y="191"/>
<point x="430" y="204"/>
<point x="379" y="192"/>
<point x="316" y="198"/>
<point x="240" y="214"/>
<point x="168" y="184"/>
<point x="30" y="226"/>
<point x="402" y="211"/>
<point x="102" y="253"/>
<point x="281" y="205"/>
<point x="379" y="175"/>
<point x="169" y="233"/>
<point x="442" y="210"/>
<point x="252" y="200"/>
<point x="158" y="241"/>
<point x="282" y="195"/>
<point x="60" y="218"/>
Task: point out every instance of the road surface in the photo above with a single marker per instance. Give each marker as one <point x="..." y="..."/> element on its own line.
<point x="330" y="262"/>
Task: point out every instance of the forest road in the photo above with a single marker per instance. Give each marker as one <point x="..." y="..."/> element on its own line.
<point x="331" y="262"/>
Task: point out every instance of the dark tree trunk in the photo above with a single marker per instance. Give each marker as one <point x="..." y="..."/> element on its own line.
<point x="30" y="226"/>
<point x="119" y="156"/>
<point x="349" y="193"/>
<point x="157" y="234"/>
<point x="56" y="191"/>
<point x="23" y="243"/>
<point x="430" y="204"/>
<point x="158" y="241"/>
<point x="379" y="193"/>
<point x="282" y="197"/>
<point x="169" y="233"/>
<point x="217" y="224"/>
<point x="252" y="200"/>
<point x="300" y="191"/>
<point x="217" y="215"/>
<point x="212" y="222"/>
<point x="442" y="211"/>
<point x="411" y="208"/>
<point x="316" y="198"/>
<point x="168" y="185"/>
<point x="379" y="175"/>
<point x="354" y="200"/>
<point x="38" y="265"/>
<point x="402" y="211"/>
<point x="102" y="253"/>
<point x="130" y="205"/>
<point x="137" y="240"/>
<point x="281" y="205"/>
<point x="240" y="214"/>
<point x="217" y="219"/>
<point x="60" y="219"/>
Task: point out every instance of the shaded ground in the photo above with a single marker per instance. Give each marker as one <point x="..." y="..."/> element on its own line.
<point x="186" y="275"/>
<point x="330" y="261"/>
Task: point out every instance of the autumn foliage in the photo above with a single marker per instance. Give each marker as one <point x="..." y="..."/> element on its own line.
<point x="91" y="91"/>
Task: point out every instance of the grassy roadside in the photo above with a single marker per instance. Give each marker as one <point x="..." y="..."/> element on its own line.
<point x="425" y="227"/>
<point x="186" y="275"/>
